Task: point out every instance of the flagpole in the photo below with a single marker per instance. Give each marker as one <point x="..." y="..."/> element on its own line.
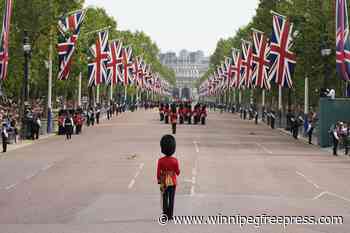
<point x="263" y="98"/>
<point x="306" y="97"/>
<point x="79" y="90"/>
<point x="111" y="91"/>
<point x="49" y="90"/>
<point x="125" y="94"/>
<point x="280" y="98"/>
<point x="98" y="94"/>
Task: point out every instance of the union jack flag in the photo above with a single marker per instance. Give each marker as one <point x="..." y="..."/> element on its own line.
<point x="261" y="52"/>
<point x="127" y="65"/>
<point x="97" y="69"/>
<point x="247" y="63"/>
<point x="236" y="68"/>
<point x="5" y="35"/>
<point x="343" y="40"/>
<point x="69" y="27"/>
<point x="115" y="62"/>
<point x="282" y="59"/>
<point x="137" y="71"/>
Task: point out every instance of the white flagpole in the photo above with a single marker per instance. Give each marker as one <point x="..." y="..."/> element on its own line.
<point x="111" y="91"/>
<point x="125" y="93"/>
<point x="280" y="98"/>
<point x="79" y="90"/>
<point x="98" y="94"/>
<point x="306" y="97"/>
<point x="263" y="98"/>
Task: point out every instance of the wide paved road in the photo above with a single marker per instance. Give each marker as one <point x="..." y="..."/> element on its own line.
<point x="104" y="180"/>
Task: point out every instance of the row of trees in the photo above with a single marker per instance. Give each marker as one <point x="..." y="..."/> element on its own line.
<point x="40" y="18"/>
<point x="314" y="20"/>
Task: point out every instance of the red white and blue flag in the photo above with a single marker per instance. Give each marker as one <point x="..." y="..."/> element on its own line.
<point x="97" y="69"/>
<point x="342" y="40"/>
<point x="137" y="71"/>
<point x="69" y="27"/>
<point x="5" y="35"/>
<point x="282" y="59"/>
<point x="115" y="62"/>
<point x="127" y="65"/>
<point x="261" y="63"/>
<point x="236" y="68"/>
<point x="247" y="63"/>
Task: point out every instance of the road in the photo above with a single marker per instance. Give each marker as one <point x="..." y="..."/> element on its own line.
<point x="104" y="180"/>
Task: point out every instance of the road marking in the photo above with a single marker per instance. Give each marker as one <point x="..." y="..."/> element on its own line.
<point x="132" y="182"/>
<point x="196" y="146"/>
<point x="319" y="195"/>
<point x="8" y="188"/>
<point x="331" y="194"/>
<point x="31" y="176"/>
<point x="338" y="196"/>
<point x="308" y="180"/>
<point x="264" y="148"/>
<point x="47" y="167"/>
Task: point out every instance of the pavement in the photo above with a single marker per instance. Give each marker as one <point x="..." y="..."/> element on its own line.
<point x="104" y="180"/>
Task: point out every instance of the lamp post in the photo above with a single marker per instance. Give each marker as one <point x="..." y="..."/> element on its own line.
<point x="325" y="52"/>
<point x="27" y="50"/>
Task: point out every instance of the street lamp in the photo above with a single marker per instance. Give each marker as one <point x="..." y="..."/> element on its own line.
<point x="325" y="53"/>
<point x="27" y="50"/>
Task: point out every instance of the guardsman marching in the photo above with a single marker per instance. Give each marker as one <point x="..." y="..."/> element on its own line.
<point x="203" y="114"/>
<point x="181" y="114"/>
<point x="161" y="112"/>
<point x="189" y="114"/>
<point x="173" y="118"/>
<point x="166" y="113"/>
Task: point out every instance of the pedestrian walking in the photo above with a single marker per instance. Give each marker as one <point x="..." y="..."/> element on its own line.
<point x="335" y="136"/>
<point x="344" y="137"/>
<point x="161" y="112"/>
<point x="4" y="136"/>
<point x="68" y="126"/>
<point x="167" y="172"/>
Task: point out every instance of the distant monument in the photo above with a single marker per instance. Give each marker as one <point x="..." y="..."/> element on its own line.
<point x="188" y="67"/>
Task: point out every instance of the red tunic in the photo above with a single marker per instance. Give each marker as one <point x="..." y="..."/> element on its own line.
<point x="168" y="164"/>
<point x="173" y="118"/>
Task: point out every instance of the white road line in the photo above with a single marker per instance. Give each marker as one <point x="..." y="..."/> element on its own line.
<point x="196" y="146"/>
<point x="29" y="177"/>
<point x="319" y="195"/>
<point x="308" y="180"/>
<point x="264" y="148"/>
<point x="132" y="182"/>
<point x="8" y="188"/>
<point x="338" y="196"/>
<point x="47" y="167"/>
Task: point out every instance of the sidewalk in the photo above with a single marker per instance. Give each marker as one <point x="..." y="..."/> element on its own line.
<point x="24" y="143"/>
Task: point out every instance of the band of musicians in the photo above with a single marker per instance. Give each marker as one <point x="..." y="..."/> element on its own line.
<point x="182" y="113"/>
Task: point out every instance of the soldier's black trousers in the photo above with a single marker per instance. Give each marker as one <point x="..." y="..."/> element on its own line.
<point x="168" y="201"/>
<point x="174" y="128"/>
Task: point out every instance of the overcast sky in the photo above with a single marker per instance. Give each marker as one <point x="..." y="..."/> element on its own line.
<point x="181" y="24"/>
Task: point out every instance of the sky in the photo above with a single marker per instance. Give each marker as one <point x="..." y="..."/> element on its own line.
<point x="181" y="24"/>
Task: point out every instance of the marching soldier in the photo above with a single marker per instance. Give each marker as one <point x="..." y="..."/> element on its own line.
<point x="203" y="115"/>
<point x="173" y="118"/>
<point x="181" y="114"/>
<point x="166" y="113"/>
<point x="189" y="114"/>
<point x="161" y="112"/>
